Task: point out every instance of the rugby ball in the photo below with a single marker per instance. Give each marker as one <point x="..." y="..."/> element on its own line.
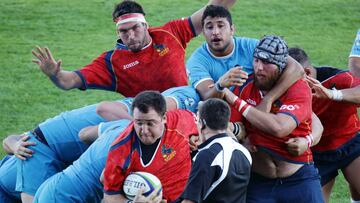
<point x="136" y="180"/>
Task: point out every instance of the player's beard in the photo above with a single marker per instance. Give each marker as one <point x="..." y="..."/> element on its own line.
<point x="265" y="84"/>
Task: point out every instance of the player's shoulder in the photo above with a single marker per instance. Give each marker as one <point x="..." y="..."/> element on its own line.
<point x="200" y="53"/>
<point x="325" y="72"/>
<point x="178" y="115"/>
<point x="246" y="40"/>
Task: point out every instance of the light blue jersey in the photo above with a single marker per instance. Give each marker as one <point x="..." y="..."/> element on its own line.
<point x="61" y="132"/>
<point x="203" y="65"/>
<point x="185" y="97"/>
<point x="80" y="182"/>
<point x="64" y="147"/>
<point x="8" y="180"/>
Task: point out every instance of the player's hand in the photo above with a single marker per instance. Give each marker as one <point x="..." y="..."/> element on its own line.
<point x="296" y="146"/>
<point x="229" y="96"/>
<point x="193" y="142"/>
<point x="234" y="77"/>
<point x="319" y="90"/>
<point x="46" y="62"/>
<point x="153" y="197"/>
<point x="21" y="150"/>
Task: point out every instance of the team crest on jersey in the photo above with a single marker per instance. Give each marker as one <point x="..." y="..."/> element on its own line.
<point x="189" y="102"/>
<point x="161" y="49"/>
<point x="167" y="152"/>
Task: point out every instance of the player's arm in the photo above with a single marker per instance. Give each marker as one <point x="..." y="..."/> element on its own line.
<point x="234" y="77"/>
<point x="349" y="94"/>
<point x="114" y="198"/>
<point x="113" y="110"/>
<point x="238" y="130"/>
<point x="298" y="145"/>
<point x="196" y="17"/>
<point x="18" y="145"/>
<point x="354" y="65"/>
<point x="292" y="72"/>
<point x="89" y="134"/>
<point x="354" y="58"/>
<point x="61" y="78"/>
<point x="278" y="125"/>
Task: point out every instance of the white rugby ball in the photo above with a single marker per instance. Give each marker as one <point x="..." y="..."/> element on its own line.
<point x="135" y="180"/>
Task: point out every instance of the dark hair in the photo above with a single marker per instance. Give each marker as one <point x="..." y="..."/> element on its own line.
<point x="215" y="113"/>
<point x="216" y="11"/>
<point x="150" y="99"/>
<point x="127" y="7"/>
<point x="300" y="56"/>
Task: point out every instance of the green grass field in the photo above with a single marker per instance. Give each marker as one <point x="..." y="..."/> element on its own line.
<point x="78" y="31"/>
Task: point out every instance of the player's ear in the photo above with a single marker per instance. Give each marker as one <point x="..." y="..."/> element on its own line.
<point x="164" y="118"/>
<point x="307" y="71"/>
<point x="232" y="29"/>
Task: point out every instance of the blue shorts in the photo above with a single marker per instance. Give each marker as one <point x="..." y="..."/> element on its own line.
<point x="32" y="172"/>
<point x="185" y="97"/>
<point x="59" y="188"/>
<point x="329" y="162"/>
<point x="303" y="186"/>
<point x="8" y="180"/>
<point x="355" y="51"/>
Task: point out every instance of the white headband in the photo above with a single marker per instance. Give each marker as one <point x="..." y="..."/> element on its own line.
<point x="130" y="17"/>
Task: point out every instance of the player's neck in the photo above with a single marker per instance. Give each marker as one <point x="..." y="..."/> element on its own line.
<point x="226" y="52"/>
<point x="208" y="133"/>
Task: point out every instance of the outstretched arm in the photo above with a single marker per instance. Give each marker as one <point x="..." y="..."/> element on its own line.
<point x="349" y="95"/>
<point x="196" y="17"/>
<point x="291" y="74"/>
<point x="63" y="79"/>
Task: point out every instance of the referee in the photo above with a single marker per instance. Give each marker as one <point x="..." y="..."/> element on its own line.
<point x="221" y="168"/>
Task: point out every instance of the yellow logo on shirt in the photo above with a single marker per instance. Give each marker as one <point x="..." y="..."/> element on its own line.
<point x="167" y="153"/>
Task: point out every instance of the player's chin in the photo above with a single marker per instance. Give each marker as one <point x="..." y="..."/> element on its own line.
<point x="147" y="140"/>
<point x="136" y="47"/>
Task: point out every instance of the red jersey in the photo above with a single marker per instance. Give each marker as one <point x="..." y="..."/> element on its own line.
<point x="158" y="66"/>
<point x="171" y="162"/>
<point x="295" y="102"/>
<point x="340" y="119"/>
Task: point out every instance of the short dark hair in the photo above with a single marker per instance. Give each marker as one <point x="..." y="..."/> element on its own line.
<point x="127" y="7"/>
<point x="300" y="56"/>
<point x="150" y="99"/>
<point x="216" y="11"/>
<point x="216" y="114"/>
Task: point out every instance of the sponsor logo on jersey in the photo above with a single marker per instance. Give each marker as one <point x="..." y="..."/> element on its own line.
<point x="167" y="152"/>
<point x="161" y="49"/>
<point x="289" y="107"/>
<point x="130" y="65"/>
<point x="250" y="101"/>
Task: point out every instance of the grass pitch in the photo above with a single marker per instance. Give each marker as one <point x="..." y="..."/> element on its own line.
<point x="78" y="31"/>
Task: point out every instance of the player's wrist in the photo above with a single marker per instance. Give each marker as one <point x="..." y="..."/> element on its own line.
<point x="242" y="107"/>
<point x="219" y="87"/>
<point x="337" y="95"/>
